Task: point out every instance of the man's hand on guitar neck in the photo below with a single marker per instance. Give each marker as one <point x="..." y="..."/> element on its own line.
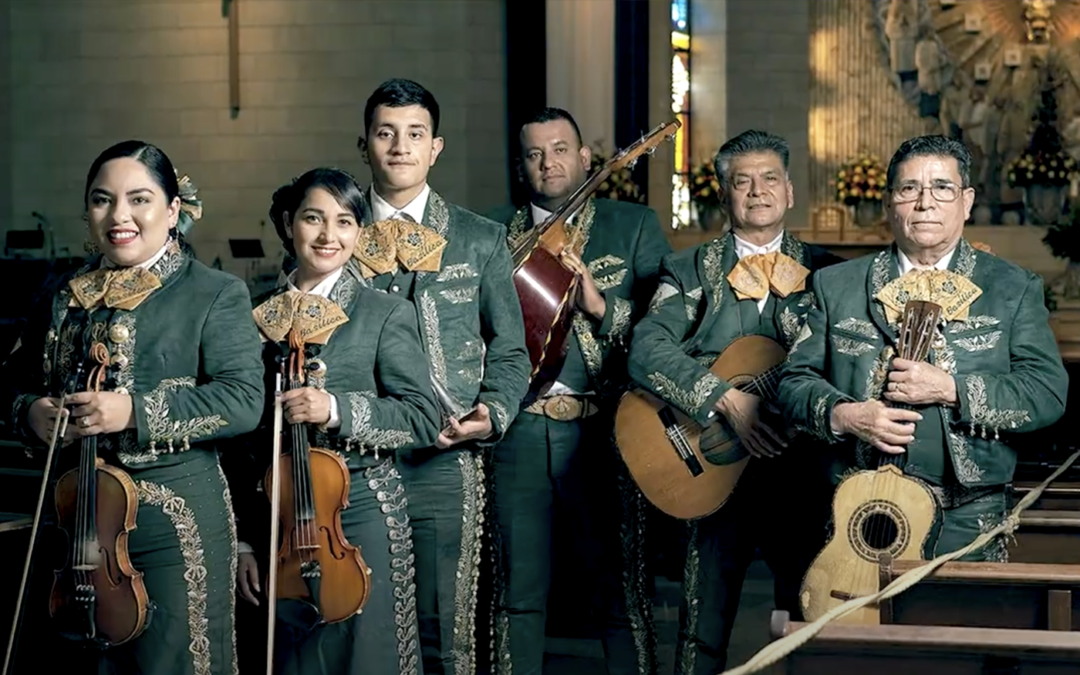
<point x="919" y="383"/>
<point x="887" y="429"/>
<point x="743" y="412"/>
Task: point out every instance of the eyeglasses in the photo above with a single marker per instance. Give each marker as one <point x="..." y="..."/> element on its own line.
<point x="941" y="192"/>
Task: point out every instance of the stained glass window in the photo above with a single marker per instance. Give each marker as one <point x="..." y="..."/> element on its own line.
<point x="680" y="105"/>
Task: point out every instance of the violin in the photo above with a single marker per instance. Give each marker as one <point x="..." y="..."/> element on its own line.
<point x="315" y="562"/>
<point x="546" y="287"/>
<point x="98" y="596"/>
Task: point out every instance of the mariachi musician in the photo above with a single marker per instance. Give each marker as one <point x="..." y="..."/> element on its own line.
<point x="557" y="460"/>
<point x="183" y="374"/>
<point x="367" y="399"/>
<point x="751" y="281"/>
<point x="453" y="266"/>
<point x="994" y="373"/>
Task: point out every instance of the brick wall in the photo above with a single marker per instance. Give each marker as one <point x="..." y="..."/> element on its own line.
<point x="768" y="80"/>
<point x="90" y="73"/>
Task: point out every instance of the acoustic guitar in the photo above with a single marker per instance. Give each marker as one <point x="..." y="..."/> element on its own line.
<point x="875" y="512"/>
<point x="685" y="470"/>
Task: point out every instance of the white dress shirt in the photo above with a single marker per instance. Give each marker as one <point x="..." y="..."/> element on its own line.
<point x="322" y="289"/>
<point x="744" y="248"/>
<point x="539" y="215"/>
<point x="906" y="265"/>
<point x="383" y="210"/>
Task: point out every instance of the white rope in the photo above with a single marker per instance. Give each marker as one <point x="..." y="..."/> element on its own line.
<point x="775" y="651"/>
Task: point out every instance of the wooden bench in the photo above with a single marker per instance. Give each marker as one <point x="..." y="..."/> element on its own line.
<point x="987" y="595"/>
<point x="927" y="650"/>
<point x="1047" y="536"/>
<point x="1058" y="496"/>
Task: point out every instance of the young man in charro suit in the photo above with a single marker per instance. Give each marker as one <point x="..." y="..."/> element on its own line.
<point x="751" y="281"/>
<point x="453" y="265"/>
<point x="556" y="471"/>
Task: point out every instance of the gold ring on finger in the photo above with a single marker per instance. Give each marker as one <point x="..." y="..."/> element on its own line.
<point x="84" y="422"/>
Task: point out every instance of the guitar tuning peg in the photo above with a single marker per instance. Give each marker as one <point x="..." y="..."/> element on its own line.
<point x="651" y="151"/>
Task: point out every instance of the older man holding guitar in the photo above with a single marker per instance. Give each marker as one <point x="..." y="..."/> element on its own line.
<point x="946" y="419"/>
<point x="741" y="297"/>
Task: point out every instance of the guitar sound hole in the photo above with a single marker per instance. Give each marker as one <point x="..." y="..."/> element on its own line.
<point x="879" y="531"/>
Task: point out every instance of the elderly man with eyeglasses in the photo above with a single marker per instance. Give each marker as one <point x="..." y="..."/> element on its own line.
<point x="993" y="372"/>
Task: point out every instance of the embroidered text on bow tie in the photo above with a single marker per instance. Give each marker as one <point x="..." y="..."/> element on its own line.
<point x="953" y="292"/>
<point x="120" y="288"/>
<point x="314" y="317"/>
<point x="755" y="275"/>
<point x="382" y="246"/>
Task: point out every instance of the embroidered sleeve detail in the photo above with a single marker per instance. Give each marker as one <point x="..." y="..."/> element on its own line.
<point x="979" y="343"/>
<point x="168" y="431"/>
<point x="501" y="415"/>
<point x="967" y="471"/>
<point x="859" y="327"/>
<point x="663" y="292"/>
<point x="690" y="401"/>
<point x="459" y="296"/>
<point x="20" y="411"/>
<point x="822" y="420"/>
<point x="982" y="415"/>
<point x="620" y="317"/>
<point x="367" y="436"/>
<point x="590" y="346"/>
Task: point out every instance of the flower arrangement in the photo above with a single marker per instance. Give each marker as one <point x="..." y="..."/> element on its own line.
<point x="860" y="179"/>
<point x="705" y="186"/>
<point x="620" y="185"/>
<point x="1041" y="168"/>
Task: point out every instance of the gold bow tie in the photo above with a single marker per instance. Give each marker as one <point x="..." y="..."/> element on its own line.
<point x="954" y="293"/>
<point x="755" y="275"/>
<point x="313" y="317"/>
<point x="382" y="246"/>
<point x="121" y="288"/>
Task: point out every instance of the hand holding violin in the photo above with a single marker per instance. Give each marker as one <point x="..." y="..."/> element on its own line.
<point x="589" y="298"/>
<point x="99" y="412"/>
<point x="306" y="404"/>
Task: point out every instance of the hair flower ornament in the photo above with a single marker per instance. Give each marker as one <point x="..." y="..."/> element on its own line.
<point x="190" y="204"/>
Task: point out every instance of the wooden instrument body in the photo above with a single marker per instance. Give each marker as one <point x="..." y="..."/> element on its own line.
<point x="345" y="580"/>
<point x="546" y="289"/>
<point x="650" y="446"/>
<point x="875" y="512"/>
<point x="868" y="507"/>
<point x="121" y="602"/>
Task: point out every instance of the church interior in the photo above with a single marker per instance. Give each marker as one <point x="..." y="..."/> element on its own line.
<point x="246" y="94"/>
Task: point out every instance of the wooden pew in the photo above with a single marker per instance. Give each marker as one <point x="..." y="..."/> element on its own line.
<point x="928" y="650"/>
<point x="987" y="595"/>
<point x="1047" y="536"/>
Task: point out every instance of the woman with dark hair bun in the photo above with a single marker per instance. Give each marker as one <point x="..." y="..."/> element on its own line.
<point x="368" y="399"/>
<point x="184" y="373"/>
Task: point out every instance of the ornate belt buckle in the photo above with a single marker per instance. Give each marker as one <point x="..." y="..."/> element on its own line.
<point x="563" y="408"/>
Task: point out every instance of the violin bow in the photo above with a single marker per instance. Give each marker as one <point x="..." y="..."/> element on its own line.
<point x="58" y="432"/>
<point x="275" y="515"/>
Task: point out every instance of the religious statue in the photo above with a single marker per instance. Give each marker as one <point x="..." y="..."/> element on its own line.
<point x="902" y="29"/>
<point x="1037" y="20"/>
<point x="929" y="63"/>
